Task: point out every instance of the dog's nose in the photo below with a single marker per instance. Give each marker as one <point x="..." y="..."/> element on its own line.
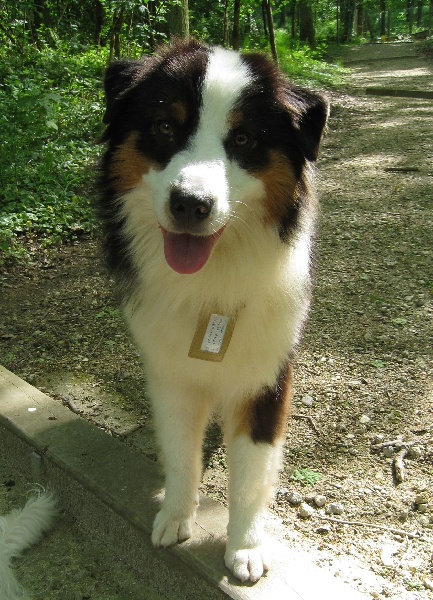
<point x="189" y="210"/>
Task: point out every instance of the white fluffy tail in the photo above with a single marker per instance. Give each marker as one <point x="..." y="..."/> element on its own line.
<point x="18" y="531"/>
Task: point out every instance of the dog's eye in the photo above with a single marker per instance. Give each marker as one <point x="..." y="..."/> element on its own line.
<point x="241" y="138"/>
<point x="165" y="128"/>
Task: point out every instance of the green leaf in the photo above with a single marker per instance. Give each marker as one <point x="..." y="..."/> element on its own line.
<point x="307" y="476"/>
<point x="379" y="364"/>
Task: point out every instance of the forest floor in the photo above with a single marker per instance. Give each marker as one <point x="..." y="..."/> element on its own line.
<point x="363" y="403"/>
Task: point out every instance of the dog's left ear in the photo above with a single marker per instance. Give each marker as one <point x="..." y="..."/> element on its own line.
<point x="311" y="111"/>
<point x="120" y="79"/>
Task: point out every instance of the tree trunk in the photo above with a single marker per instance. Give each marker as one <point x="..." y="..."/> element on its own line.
<point x="419" y="13"/>
<point x="237" y="25"/>
<point x="41" y="16"/>
<point x="270" y="22"/>
<point x="347" y="12"/>
<point x="306" y="23"/>
<point x="116" y="30"/>
<point x="264" y="19"/>
<point x="99" y="21"/>
<point x="337" y="21"/>
<point x="369" y="26"/>
<point x="226" y="25"/>
<point x="382" y="6"/>
<point x="430" y="13"/>
<point x="293" y="19"/>
<point x="178" y="20"/>
<point x="283" y="17"/>
<point x="360" y="21"/>
<point x="409" y="14"/>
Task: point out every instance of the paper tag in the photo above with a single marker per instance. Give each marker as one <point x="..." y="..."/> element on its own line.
<point x="212" y="337"/>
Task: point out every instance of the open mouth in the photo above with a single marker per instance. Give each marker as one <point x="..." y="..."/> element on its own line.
<point x="186" y="253"/>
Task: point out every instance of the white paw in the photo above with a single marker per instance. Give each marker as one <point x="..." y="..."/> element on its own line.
<point x="170" y="529"/>
<point x="248" y="564"/>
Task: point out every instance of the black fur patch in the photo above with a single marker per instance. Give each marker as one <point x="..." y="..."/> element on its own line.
<point x="269" y="411"/>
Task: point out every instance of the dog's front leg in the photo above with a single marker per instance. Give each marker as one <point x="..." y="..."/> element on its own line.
<point x="254" y="439"/>
<point x="253" y="469"/>
<point x="180" y="423"/>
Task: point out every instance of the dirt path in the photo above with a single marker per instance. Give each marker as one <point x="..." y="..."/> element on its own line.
<point x="363" y="374"/>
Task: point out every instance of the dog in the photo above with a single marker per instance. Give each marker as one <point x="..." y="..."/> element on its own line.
<point x="208" y="206"/>
<point x="19" y="530"/>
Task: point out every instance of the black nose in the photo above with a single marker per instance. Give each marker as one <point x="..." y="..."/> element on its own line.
<point x="189" y="210"/>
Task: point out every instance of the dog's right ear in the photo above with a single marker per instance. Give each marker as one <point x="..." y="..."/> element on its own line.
<point x="120" y="78"/>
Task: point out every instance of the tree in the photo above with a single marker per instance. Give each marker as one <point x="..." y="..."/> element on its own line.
<point x="226" y="24"/>
<point x="382" y="20"/>
<point x="178" y="19"/>
<point x="347" y="15"/>
<point x="236" y="25"/>
<point x="267" y="18"/>
<point x="306" y="23"/>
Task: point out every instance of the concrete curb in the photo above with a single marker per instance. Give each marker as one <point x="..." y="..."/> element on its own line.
<point x="109" y="487"/>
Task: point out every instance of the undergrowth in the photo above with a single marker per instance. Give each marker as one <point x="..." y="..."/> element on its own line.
<point x="50" y="114"/>
<point x="303" y="65"/>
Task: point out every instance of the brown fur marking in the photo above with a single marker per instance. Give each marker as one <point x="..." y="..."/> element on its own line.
<point x="236" y="119"/>
<point x="280" y="185"/>
<point x="264" y="417"/>
<point x="128" y="165"/>
<point x="179" y="112"/>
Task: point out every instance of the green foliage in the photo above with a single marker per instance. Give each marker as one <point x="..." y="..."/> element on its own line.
<point x="50" y="111"/>
<point x="307" y="477"/>
<point x="307" y="66"/>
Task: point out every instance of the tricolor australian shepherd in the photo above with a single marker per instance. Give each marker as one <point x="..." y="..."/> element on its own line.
<point x="208" y="207"/>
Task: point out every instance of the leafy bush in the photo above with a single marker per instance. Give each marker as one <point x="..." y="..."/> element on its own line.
<point x="50" y="111"/>
<point x="306" y="66"/>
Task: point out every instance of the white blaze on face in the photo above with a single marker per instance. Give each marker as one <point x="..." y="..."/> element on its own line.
<point x="226" y="77"/>
<point x="202" y="168"/>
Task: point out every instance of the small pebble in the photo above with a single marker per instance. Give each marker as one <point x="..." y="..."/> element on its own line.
<point x="364" y="419"/>
<point x="307" y="400"/>
<point x="403" y="515"/>
<point x="305" y="510"/>
<point x="294" y="498"/>
<point x="388" y="452"/>
<point x="323" y="529"/>
<point x="421" y="498"/>
<point x="422" y="508"/>
<point x="414" y="452"/>
<point x="336" y="508"/>
<point x="428" y="583"/>
<point x="387" y="554"/>
<point x="319" y="500"/>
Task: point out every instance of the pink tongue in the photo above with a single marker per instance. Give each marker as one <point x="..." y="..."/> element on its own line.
<point x="186" y="253"/>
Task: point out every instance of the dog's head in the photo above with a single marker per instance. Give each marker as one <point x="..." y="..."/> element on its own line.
<point x="214" y="135"/>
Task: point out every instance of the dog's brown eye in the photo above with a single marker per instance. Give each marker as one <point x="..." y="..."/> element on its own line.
<point x="241" y="138"/>
<point x="165" y="128"/>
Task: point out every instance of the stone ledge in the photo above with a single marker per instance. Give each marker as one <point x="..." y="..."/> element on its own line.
<point x="110" y="488"/>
